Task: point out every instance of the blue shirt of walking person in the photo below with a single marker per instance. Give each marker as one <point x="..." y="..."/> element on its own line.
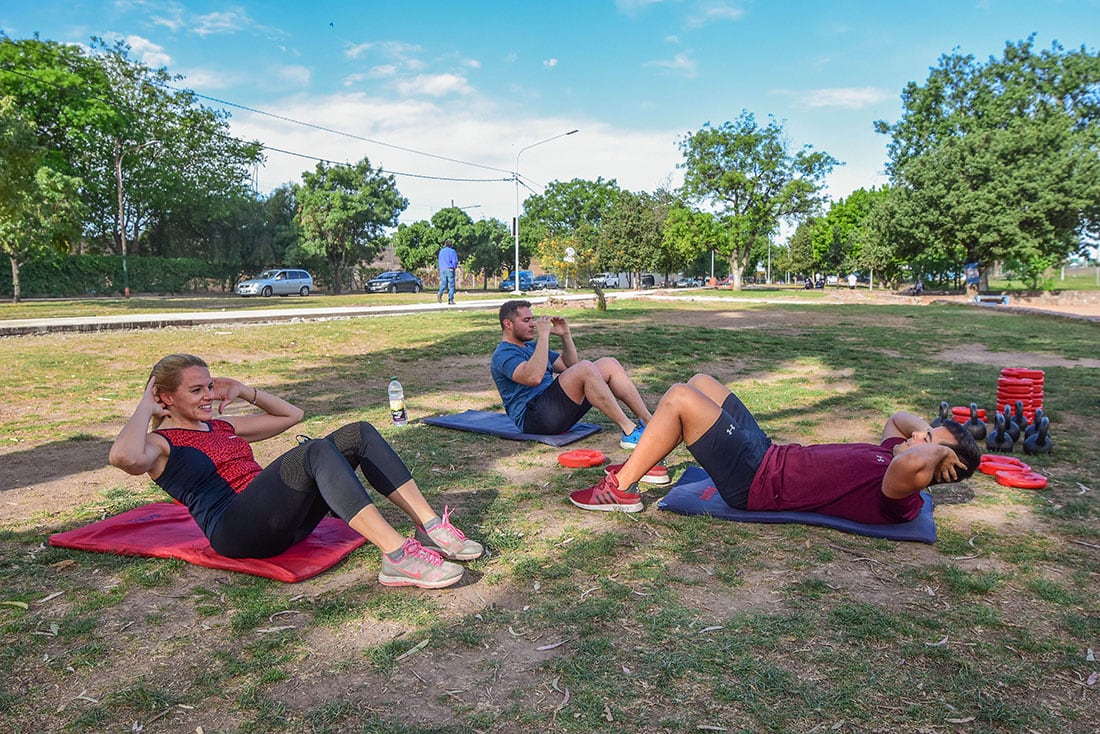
<point x="448" y="261"/>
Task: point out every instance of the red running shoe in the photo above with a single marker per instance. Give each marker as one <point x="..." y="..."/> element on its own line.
<point x="656" y="475"/>
<point x="607" y="497"/>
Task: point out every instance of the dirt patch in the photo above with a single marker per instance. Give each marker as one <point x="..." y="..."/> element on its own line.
<point x="979" y="354"/>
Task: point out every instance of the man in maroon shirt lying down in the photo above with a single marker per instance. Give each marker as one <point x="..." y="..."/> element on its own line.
<point x="869" y="483"/>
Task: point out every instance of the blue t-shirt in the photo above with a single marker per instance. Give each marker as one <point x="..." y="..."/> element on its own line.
<point x="515" y="396"/>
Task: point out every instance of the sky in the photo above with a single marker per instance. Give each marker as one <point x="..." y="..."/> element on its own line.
<point x="452" y="97"/>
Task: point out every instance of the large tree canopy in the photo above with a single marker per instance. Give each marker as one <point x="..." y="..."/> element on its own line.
<point x="748" y="176"/>
<point x="999" y="161"/>
<point x="344" y="214"/>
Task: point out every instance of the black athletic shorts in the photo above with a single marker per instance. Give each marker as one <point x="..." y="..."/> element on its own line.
<point x="552" y="412"/>
<point x="731" y="451"/>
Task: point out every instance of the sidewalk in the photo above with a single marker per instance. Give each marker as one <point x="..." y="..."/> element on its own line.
<point x="23" y="327"/>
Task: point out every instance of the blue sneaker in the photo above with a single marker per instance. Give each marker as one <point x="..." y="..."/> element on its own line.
<point x="629" y="442"/>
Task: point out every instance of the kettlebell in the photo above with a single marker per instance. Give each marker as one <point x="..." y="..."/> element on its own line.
<point x="945" y="414"/>
<point x="1039" y="442"/>
<point x="1020" y="418"/>
<point x="1010" y="425"/>
<point x="1000" y="439"/>
<point x="976" y="427"/>
<point x="1034" y="427"/>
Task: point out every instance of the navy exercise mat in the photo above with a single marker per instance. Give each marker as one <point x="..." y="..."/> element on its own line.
<point x="694" y="494"/>
<point x="499" y="424"/>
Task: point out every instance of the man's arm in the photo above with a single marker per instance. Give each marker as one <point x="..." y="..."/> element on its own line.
<point x="568" y="357"/>
<point x="904" y="425"/>
<point x="917" y="468"/>
<point x="531" y="372"/>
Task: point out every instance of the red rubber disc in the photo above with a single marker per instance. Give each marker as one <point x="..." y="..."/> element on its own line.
<point x="581" y="458"/>
<point x="1021" y="480"/>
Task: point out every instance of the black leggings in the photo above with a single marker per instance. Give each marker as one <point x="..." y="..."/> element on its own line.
<point x="286" y="501"/>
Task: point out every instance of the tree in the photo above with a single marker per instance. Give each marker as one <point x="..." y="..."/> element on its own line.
<point x="562" y="209"/>
<point x="999" y="159"/>
<point x="690" y="234"/>
<point x="39" y="207"/>
<point x="147" y="156"/>
<point x="750" y="179"/>
<point x="344" y="213"/>
<point x="492" y="250"/>
<point x="632" y="233"/>
<point x="416" y="245"/>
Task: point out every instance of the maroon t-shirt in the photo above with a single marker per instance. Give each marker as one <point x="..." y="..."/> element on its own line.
<point x="839" y="479"/>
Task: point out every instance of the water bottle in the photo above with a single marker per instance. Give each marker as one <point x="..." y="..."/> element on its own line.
<point x="397" y="403"/>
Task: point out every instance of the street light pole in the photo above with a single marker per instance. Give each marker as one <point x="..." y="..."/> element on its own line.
<point x="515" y="177"/>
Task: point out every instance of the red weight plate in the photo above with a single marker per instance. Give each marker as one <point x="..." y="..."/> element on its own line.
<point x="1021" y="480"/>
<point x="580" y="458"/>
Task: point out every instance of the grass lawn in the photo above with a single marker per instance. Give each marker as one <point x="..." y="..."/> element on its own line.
<point x="575" y="622"/>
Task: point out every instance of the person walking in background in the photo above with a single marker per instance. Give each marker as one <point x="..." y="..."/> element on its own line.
<point x="448" y="263"/>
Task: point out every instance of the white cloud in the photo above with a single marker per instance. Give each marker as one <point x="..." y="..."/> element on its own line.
<point x="713" y="11"/>
<point x="680" y="65"/>
<point x="434" y="85"/>
<point x="472" y="63"/>
<point x="470" y="129"/>
<point x="206" y="79"/>
<point x="296" y="75"/>
<point x="382" y="71"/>
<point x="848" y="97"/>
<point x="147" y="52"/>
<point x="229" y="21"/>
<point x="354" y="52"/>
<point x="550" y="63"/>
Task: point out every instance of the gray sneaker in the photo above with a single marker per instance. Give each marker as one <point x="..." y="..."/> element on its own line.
<point x="421" y="567"/>
<point x="448" y="541"/>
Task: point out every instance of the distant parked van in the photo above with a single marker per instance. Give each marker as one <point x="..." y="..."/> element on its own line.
<point x="277" y="283"/>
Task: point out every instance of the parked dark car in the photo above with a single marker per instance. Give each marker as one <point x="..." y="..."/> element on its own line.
<point x="648" y="281"/>
<point x="393" y="281"/>
<point x="546" y="281"/>
<point x="526" y="282"/>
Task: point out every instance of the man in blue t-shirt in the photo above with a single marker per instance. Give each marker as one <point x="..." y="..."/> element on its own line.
<point x="448" y="262"/>
<point x="524" y="366"/>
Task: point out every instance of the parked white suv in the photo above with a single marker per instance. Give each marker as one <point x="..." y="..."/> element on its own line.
<point x="605" y="280"/>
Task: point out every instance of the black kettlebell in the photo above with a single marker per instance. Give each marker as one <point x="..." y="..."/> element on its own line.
<point x="976" y="427"/>
<point x="1039" y="442"/>
<point x="1000" y="439"/>
<point x="1020" y="418"/>
<point x="1034" y="427"/>
<point x="945" y="414"/>
<point x="1010" y="425"/>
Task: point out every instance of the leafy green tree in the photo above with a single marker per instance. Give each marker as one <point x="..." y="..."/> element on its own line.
<point x="39" y="207"/>
<point x="563" y="209"/>
<point x="344" y="213"/>
<point x="999" y="159"/>
<point x="492" y="251"/>
<point x="752" y="181"/>
<point x="416" y="245"/>
<point x="146" y="155"/>
<point x="692" y="234"/>
<point x="839" y="236"/>
<point x="632" y="233"/>
<point x="800" y="249"/>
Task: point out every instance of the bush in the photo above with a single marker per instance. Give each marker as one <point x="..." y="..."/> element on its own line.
<point x="84" y="275"/>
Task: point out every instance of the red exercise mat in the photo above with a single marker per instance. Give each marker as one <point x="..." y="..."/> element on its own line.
<point x="166" y="530"/>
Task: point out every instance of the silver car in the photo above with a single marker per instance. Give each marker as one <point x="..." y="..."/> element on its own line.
<point x="277" y="282"/>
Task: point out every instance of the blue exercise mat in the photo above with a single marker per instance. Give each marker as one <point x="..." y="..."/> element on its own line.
<point x="499" y="424"/>
<point x="695" y="494"/>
